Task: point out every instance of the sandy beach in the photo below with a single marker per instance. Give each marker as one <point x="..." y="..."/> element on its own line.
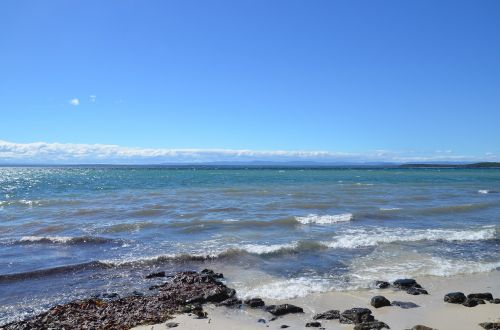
<point x="433" y="311"/>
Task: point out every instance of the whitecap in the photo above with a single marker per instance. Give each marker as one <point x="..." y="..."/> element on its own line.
<point x="324" y="219"/>
<point x="483" y="191"/>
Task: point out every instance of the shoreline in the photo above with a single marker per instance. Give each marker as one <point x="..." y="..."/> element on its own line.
<point x="201" y="300"/>
<point x="432" y="312"/>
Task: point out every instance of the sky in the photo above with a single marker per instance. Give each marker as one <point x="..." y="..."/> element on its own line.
<point x="124" y="81"/>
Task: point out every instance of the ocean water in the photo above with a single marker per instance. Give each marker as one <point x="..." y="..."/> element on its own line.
<point x="70" y="232"/>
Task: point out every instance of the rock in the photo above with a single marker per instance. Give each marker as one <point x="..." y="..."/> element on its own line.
<point x="373" y="325"/>
<point x="283" y="309"/>
<point x="230" y="302"/>
<point x="455" y="298"/>
<point x="328" y="315"/>
<point x="380" y="301"/>
<point x="356" y="315"/>
<point x="254" y="302"/>
<point x="261" y="321"/>
<point x="211" y="273"/>
<point x="405" y="283"/>
<point x="485" y="296"/>
<point x="157" y="274"/>
<point x="490" y="325"/>
<point x="404" y="304"/>
<point x="495" y="301"/>
<point x="171" y="324"/>
<point x="472" y="302"/>
<point x="381" y="284"/>
<point x="313" y="325"/>
<point x="416" y="291"/>
<point x="284" y="326"/>
<point x="421" y="327"/>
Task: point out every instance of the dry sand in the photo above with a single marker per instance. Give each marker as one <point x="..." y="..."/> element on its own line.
<point x="433" y="311"/>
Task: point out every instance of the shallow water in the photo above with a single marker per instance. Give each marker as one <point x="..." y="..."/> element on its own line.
<point x="68" y="233"/>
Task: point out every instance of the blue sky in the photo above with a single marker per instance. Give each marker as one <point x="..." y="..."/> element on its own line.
<point x="359" y="80"/>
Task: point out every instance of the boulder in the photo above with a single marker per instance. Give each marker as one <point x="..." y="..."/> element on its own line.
<point x="381" y="284"/>
<point x="455" y="298"/>
<point x="356" y="315"/>
<point x="495" y="301"/>
<point x="230" y="302"/>
<point x="490" y="325"/>
<point x="284" y="309"/>
<point x="328" y="315"/>
<point x="416" y="291"/>
<point x="472" y="302"/>
<point x="405" y="283"/>
<point x="421" y="327"/>
<point x="157" y="274"/>
<point x="254" y="302"/>
<point x="171" y="324"/>
<point x="211" y="273"/>
<point x="373" y="325"/>
<point x="380" y="301"/>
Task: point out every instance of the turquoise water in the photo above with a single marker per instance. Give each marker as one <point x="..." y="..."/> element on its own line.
<point x="69" y="233"/>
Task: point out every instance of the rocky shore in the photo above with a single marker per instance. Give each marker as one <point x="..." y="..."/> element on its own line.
<point x="191" y="293"/>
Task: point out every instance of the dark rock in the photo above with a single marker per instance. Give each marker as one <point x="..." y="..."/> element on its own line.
<point x="381" y="284"/>
<point x="485" y="296"/>
<point x="405" y="283"/>
<point x="495" y="301"/>
<point x="261" y="321"/>
<point x="171" y="324"/>
<point x="404" y="304"/>
<point x="284" y="326"/>
<point x="472" y="302"/>
<point x="284" y="309"/>
<point x="416" y="291"/>
<point x="137" y="294"/>
<point x="356" y="315"/>
<point x="490" y="325"/>
<point x="455" y="298"/>
<point x="254" y="302"/>
<point x="313" y="325"/>
<point x="154" y="287"/>
<point x="230" y="302"/>
<point x="211" y="273"/>
<point x="157" y="274"/>
<point x="421" y="327"/>
<point x="373" y="325"/>
<point x="218" y="294"/>
<point x="328" y="315"/>
<point x="380" y="301"/>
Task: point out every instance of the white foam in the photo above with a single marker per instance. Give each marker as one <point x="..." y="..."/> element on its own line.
<point x="324" y="219"/>
<point x="389" y="208"/>
<point x="483" y="191"/>
<point x="54" y="239"/>
<point x="265" y="249"/>
<point x="371" y="237"/>
<point x="287" y="288"/>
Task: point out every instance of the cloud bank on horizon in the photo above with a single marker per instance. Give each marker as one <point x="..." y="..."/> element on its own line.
<point x="70" y="153"/>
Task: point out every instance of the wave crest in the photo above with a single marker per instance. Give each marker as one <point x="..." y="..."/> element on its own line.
<point x="324" y="219"/>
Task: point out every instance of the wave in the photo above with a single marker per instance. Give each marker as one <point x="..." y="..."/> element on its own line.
<point x="461" y="208"/>
<point x="324" y="219"/>
<point x="372" y="237"/>
<point x="485" y="191"/>
<point x="64" y="240"/>
<point x="389" y="208"/>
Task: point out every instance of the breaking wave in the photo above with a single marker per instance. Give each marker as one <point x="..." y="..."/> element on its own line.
<point x="324" y="219"/>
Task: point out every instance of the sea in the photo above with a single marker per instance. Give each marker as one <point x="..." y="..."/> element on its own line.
<point x="278" y="232"/>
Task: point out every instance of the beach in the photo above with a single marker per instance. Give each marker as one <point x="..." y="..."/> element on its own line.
<point x="432" y="312"/>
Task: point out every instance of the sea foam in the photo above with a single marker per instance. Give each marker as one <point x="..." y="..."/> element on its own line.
<point x="324" y="219"/>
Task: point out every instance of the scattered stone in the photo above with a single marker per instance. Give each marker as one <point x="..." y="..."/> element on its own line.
<point x="230" y="302"/>
<point x="373" y="325"/>
<point x="404" y="304"/>
<point x="171" y="324"/>
<point x="455" y="298"/>
<point x="261" y="321"/>
<point x="284" y="326"/>
<point x="495" y="301"/>
<point x="313" y="325"/>
<point x="416" y="291"/>
<point x="328" y="315"/>
<point x="356" y="315"/>
<point x="485" y="296"/>
<point x="421" y="327"/>
<point x="254" y="302"/>
<point x="410" y="286"/>
<point x="157" y="274"/>
<point x="283" y="309"/>
<point x="490" y="325"/>
<point x="472" y="302"/>
<point x="274" y="318"/>
<point x="211" y="273"/>
<point x="112" y="295"/>
<point x="381" y="284"/>
<point x="380" y="301"/>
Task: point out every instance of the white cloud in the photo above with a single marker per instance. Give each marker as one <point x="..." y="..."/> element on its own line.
<point x="69" y="153"/>
<point x="74" y="102"/>
<point x="92" y="98"/>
